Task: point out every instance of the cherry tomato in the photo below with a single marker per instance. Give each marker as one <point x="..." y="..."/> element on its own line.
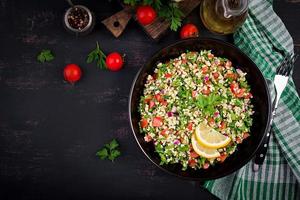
<point x="189" y="31"/>
<point x="72" y="73"/>
<point x="145" y="15"/>
<point x="114" y="61"/>
<point x="144" y="123"/>
<point x="157" y="122"/>
<point x="234" y="87"/>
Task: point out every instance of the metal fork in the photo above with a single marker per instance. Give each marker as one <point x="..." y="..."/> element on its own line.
<point x="283" y="73"/>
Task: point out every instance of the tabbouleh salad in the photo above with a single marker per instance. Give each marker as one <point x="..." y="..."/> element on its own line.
<point x="195" y="88"/>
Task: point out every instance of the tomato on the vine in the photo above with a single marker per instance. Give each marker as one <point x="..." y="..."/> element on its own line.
<point x="72" y="73"/>
<point x="114" y="61"/>
<point x="189" y="31"/>
<point x="145" y="15"/>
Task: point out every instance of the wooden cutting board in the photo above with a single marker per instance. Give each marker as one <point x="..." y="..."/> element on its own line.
<point x="117" y="23"/>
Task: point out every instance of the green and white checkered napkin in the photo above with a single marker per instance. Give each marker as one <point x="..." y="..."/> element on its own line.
<point x="279" y="176"/>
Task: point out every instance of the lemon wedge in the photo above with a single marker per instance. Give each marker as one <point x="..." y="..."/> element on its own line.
<point x="210" y="138"/>
<point x="202" y="150"/>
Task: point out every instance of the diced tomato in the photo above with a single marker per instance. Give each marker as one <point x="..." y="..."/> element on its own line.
<point x="240" y="93"/>
<point x="204" y="69"/>
<point x="206" y="166"/>
<point x="184" y="61"/>
<point x="210" y="55"/>
<point x="248" y="95"/>
<point x="190" y="126"/>
<point x="167" y="75"/>
<point x="194" y="93"/>
<point x="148" y="138"/>
<point x="151" y="104"/>
<point x="157" y="122"/>
<point x="223" y="125"/>
<point x="154" y="76"/>
<point x="164" y="132"/>
<point x="148" y="99"/>
<point x="193" y="154"/>
<point x="231" y="75"/>
<point x="215" y="75"/>
<point x="192" y="163"/>
<point x="234" y="87"/>
<point x="223" y="157"/>
<point x="211" y="121"/>
<point x="158" y="97"/>
<point x="205" y="91"/>
<point x="245" y="135"/>
<point x="238" y="140"/>
<point x="144" y="123"/>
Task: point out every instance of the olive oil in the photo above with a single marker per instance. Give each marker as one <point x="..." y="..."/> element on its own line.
<point x="223" y="16"/>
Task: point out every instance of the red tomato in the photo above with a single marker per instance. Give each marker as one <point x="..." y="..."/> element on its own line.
<point x="240" y="93"/>
<point x="148" y="138"/>
<point x="231" y="75"/>
<point x="151" y="104"/>
<point x="159" y="98"/>
<point x="211" y="121"/>
<point x="72" y="73"/>
<point x="223" y="125"/>
<point x="164" y="103"/>
<point x="194" y="93"/>
<point x="114" y="61"/>
<point x="144" y="123"/>
<point x="248" y="95"/>
<point x="216" y="75"/>
<point x="206" y="166"/>
<point x="164" y="132"/>
<point x="238" y="140"/>
<point x="189" y="31"/>
<point x="194" y="154"/>
<point x="206" y="91"/>
<point x="234" y="87"/>
<point x="246" y="134"/>
<point x="148" y="99"/>
<point x="157" y="122"/>
<point x="190" y="126"/>
<point x="223" y="157"/>
<point x="204" y="69"/>
<point x="167" y="75"/>
<point x="145" y="15"/>
<point x="192" y="163"/>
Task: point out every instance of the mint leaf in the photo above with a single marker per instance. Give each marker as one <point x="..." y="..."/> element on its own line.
<point x="102" y="153"/>
<point x="45" y="56"/>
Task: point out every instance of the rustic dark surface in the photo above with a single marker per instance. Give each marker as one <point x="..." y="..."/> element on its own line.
<point x="50" y="130"/>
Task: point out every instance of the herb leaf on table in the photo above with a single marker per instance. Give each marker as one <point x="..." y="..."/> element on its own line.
<point x="97" y="56"/>
<point x="110" y="151"/>
<point x="45" y="56"/>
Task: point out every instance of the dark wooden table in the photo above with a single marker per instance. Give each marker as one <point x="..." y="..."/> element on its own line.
<point x="50" y="130"/>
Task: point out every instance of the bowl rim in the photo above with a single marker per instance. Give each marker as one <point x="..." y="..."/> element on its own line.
<point x="197" y="40"/>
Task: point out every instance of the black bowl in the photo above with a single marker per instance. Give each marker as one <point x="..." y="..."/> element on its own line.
<point x="261" y="101"/>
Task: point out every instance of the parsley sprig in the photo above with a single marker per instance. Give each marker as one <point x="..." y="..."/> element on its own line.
<point x="45" y="56"/>
<point x="110" y="151"/>
<point x="97" y="56"/>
